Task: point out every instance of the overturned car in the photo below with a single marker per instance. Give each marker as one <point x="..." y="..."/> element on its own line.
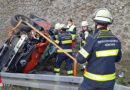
<point x="25" y="48"/>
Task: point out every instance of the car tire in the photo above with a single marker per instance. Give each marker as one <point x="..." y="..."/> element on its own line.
<point x="15" y="19"/>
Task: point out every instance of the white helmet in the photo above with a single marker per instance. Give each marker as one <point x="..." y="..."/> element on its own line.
<point x="57" y="26"/>
<point x="84" y="23"/>
<point x="103" y="16"/>
<point x="62" y="26"/>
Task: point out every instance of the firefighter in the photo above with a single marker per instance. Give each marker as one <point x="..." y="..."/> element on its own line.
<point x="65" y="42"/>
<point x="101" y="52"/>
<point x="71" y="29"/>
<point x="84" y="33"/>
<point x="57" y="27"/>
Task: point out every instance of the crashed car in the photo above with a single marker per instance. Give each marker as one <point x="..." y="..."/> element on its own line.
<point x="25" y="48"/>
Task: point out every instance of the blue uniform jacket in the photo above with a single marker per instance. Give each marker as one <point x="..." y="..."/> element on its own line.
<point x="101" y="52"/>
<point x="65" y="42"/>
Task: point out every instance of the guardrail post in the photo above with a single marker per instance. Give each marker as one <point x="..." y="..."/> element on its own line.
<point x="28" y="88"/>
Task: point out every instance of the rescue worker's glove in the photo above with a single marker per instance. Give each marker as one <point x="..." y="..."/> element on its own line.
<point x="83" y="67"/>
<point x="68" y="32"/>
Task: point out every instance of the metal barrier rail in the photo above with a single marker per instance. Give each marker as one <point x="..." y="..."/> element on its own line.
<point x="42" y="81"/>
<point x="46" y="81"/>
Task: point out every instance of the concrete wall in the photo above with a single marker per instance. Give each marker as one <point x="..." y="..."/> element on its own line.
<point x="60" y="10"/>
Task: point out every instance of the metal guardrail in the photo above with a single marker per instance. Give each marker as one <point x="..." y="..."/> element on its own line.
<point x="50" y="82"/>
<point x="42" y="81"/>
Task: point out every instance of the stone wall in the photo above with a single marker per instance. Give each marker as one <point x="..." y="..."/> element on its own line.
<point x="60" y="10"/>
